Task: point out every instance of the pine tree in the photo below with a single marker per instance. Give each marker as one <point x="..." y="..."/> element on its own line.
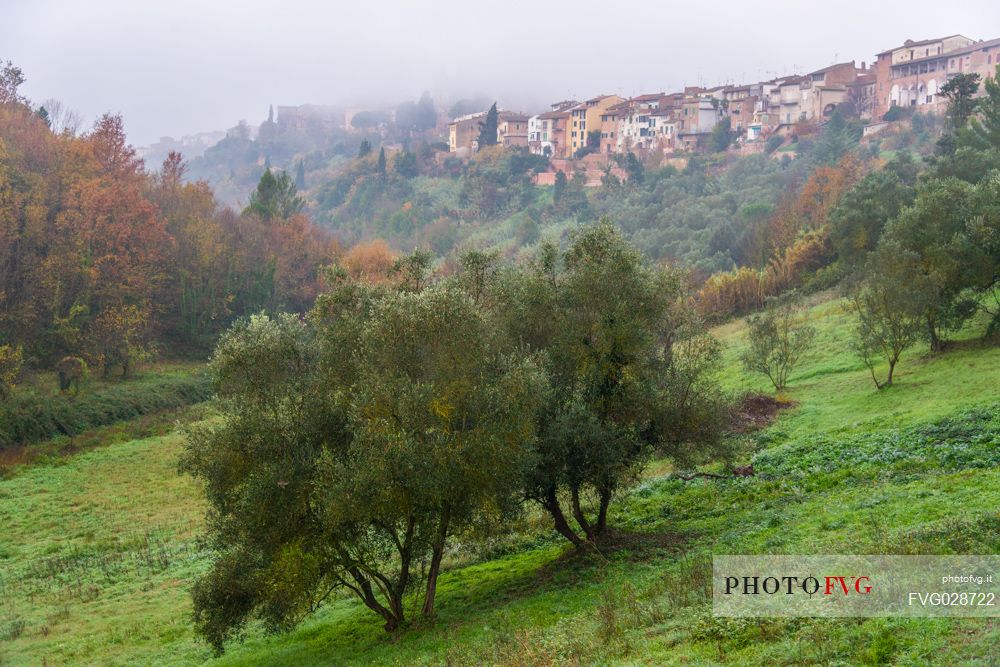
<point x="984" y="127"/>
<point x="380" y="166"/>
<point x="365" y="148"/>
<point x="275" y="198"/>
<point x="959" y="91"/>
<point x="488" y="128"/>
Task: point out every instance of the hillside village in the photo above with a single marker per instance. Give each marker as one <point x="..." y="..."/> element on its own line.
<point x="592" y="136"/>
<point x="906" y="76"/>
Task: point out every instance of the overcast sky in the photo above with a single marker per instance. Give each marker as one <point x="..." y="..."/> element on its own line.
<point x="183" y="66"/>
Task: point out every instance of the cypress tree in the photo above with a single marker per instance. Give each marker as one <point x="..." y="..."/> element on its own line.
<point x="488" y="128"/>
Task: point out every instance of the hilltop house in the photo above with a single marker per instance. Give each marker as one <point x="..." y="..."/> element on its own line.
<point x="512" y="129"/>
<point x="585" y="118"/>
<point x="912" y="75"/>
<point x="463" y="133"/>
<point x="551" y="130"/>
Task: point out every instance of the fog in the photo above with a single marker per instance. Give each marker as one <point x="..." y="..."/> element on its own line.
<point x="179" y="67"/>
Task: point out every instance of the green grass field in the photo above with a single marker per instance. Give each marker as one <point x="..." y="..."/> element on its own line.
<point x="97" y="550"/>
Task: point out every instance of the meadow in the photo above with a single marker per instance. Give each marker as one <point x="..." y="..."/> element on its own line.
<point x="98" y="547"/>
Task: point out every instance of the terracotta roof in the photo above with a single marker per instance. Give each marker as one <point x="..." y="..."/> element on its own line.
<point x="971" y="48"/>
<point x="649" y="97"/>
<point x="830" y="67"/>
<point x="511" y="116"/>
<point x="554" y="114"/>
<point x="910" y="43"/>
<point x="863" y="80"/>
<point x="793" y="80"/>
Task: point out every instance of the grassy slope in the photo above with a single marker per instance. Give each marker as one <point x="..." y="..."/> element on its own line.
<point x="75" y="538"/>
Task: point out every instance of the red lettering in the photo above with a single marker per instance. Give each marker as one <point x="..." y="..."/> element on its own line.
<point x="830" y="585"/>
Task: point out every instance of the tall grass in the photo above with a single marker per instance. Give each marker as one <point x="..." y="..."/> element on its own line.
<point x="34" y="417"/>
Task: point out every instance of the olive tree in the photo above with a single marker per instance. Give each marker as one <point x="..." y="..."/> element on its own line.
<point x="777" y="339"/>
<point x="352" y="445"/>
<point x="628" y="366"/>
<point x="889" y="305"/>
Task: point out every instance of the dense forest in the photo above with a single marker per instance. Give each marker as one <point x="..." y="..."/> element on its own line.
<point x="106" y="262"/>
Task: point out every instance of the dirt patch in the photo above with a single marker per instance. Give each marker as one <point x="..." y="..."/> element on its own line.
<point x="616" y="540"/>
<point x="757" y="411"/>
<point x="641" y="546"/>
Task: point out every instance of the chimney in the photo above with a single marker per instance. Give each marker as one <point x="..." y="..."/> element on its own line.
<point x="863" y="65"/>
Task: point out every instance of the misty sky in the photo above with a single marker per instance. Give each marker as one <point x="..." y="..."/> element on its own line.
<point x="178" y="67"/>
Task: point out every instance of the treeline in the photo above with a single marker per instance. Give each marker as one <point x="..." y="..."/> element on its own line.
<point x="407" y="411"/>
<point x="105" y="261"/>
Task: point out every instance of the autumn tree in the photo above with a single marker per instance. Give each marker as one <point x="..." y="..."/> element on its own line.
<point x="370" y="261"/>
<point x="101" y="258"/>
<point x="118" y="337"/>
